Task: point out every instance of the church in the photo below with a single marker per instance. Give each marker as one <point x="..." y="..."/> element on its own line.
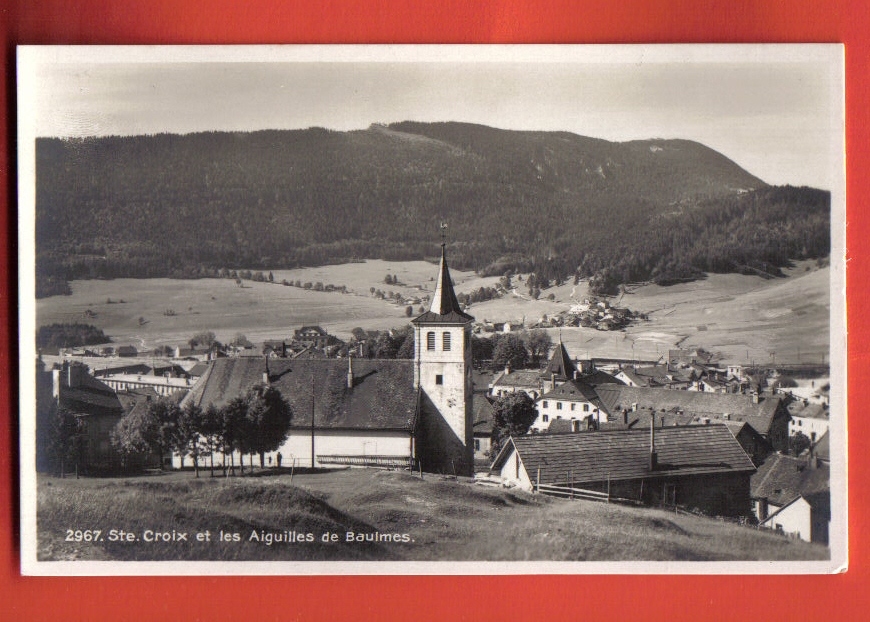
<point x="414" y="414"/>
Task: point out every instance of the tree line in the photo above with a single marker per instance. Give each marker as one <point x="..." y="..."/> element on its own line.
<point x="551" y="203"/>
<point x="253" y="423"/>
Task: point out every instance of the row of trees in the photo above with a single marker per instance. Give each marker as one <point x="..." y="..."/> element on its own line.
<point x="252" y="424"/>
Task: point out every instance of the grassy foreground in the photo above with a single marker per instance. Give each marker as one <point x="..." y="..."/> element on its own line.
<point x="440" y="519"/>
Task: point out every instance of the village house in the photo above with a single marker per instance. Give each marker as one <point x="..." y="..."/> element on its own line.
<point x="766" y="414"/>
<point x="574" y="401"/>
<point x="695" y="467"/>
<point x="510" y="381"/>
<point x="792" y="496"/>
<point x="98" y="407"/>
<point x="811" y="419"/>
<point x="484" y="417"/>
<point x="412" y="413"/>
<point x="311" y="336"/>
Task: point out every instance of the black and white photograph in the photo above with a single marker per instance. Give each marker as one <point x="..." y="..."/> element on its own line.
<point x="432" y="309"/>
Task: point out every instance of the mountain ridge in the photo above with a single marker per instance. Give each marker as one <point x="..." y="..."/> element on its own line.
<point x="186" y="205"/>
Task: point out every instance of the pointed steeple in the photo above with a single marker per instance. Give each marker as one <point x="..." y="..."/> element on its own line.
<point x="445" y="307"/>
<point x="560" y="363"/>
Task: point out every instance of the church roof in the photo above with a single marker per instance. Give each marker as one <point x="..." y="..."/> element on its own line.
<point x="560" y="363"/>
<point x="445" y="307"/>
<point x="383" y="396"/>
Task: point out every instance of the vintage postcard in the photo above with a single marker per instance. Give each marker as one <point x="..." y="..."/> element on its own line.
<point x="432" y="309"/>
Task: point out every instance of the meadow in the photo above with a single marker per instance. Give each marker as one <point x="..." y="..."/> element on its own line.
<point x="432" y="519"/>
<point x="742" y="318"/>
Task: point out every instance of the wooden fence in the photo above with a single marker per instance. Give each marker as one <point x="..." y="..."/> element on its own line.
<point x="382" y="462"/>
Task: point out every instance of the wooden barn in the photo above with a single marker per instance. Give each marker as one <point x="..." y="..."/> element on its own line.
<point x="694" y="467"/>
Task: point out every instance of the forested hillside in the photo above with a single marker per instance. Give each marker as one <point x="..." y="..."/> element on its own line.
<point x="555" y="203"/>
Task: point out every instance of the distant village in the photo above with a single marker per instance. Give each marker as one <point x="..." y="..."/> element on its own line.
<point x="683" y="432"/>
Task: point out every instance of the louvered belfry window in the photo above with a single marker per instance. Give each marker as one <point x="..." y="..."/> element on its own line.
<point x="445" y="341"/>
<point x="430" y="341"/>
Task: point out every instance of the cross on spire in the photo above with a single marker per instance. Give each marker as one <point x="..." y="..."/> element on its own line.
<point x="443" y="227"/>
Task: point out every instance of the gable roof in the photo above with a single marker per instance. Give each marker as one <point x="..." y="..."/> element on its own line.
<point x="700" y="404"/>
<point x="572" y="390"/>
<point x="624" y="454"/>
<point x="822" y="447"/>
<point x="560" y="363"/>
<point x="444" y="307"/>
<point x="383" y="396"/>
<point x="780" y="479"/>
<point x="88" y="396"/>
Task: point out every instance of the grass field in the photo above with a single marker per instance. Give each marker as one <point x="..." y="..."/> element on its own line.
<point x="743" y="318"/>
<point x="443" y="520"/>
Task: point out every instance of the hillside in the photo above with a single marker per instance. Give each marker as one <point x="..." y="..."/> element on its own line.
<point x="443" y="520"/>
<point x="552" y="202"/>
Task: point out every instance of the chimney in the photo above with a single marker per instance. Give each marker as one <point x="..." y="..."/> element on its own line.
<point x="653" y="456"/>
<point x="624" y="416"/>
<point x="755" y="397"/>
<point x="266" y="372"/>
<point x="349" y="372"/>
<point x="576" y="374"/>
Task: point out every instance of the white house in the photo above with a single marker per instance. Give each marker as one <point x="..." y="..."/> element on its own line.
<point x="792" y="496"/>
<point x="574" y="401"/>
<point x="812" y="420"/>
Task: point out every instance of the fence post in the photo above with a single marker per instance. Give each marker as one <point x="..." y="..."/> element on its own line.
<point x="608" y="487"/>
<point x="571" y="478"/>
<point x="538" y="482"/>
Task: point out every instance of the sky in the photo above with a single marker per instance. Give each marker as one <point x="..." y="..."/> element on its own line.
<point x="775" y="110"/>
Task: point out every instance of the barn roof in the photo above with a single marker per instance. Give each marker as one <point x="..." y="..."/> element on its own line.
<point x="714" y="405"/>
<point x="625" y="454"/>
<point x="383" y="395"/>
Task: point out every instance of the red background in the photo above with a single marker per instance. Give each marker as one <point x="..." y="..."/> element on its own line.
<point x="446" y="21"/>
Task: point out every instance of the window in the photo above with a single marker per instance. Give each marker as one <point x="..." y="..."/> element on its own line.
<point x="573" y="406"/>
<point x="477" y="444"/>
<point x="545" y="418"/>
<point x="445" y="341"/>
<point x="439" y="379"/>
<point x="545" y="403"/>
<point x="430" y="341"/>
<point x="558" y="405"/>
<point x="586" y="408"/>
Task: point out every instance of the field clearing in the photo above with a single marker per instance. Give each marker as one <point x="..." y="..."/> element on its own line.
<point x="443" y="520"/>
<point x="743" y="318"/>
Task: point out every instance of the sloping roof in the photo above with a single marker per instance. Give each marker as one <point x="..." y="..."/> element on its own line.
<point x="810" y="411"/>
<point x="445" y="307"/>
<point x="600" y="377"/>
<point x="701" y="404"/>
<point x="383" y="394"/>
<point x="781" y="479"/>
<point x="483" y="415"/>
<point x="520" y="378"/>
<point x="822" y="447"/>
<point x="89" y="396"/>
<point x="572" y="390"/>
<point x="560" y="363"/>
<point x="198" y="370"/>
<point x="640" y="419"/>
<point x="560" y="426"/>
<point x="624" y="454"/>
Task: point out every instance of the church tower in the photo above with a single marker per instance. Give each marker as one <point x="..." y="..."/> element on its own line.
<point x="442" y="373"/>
